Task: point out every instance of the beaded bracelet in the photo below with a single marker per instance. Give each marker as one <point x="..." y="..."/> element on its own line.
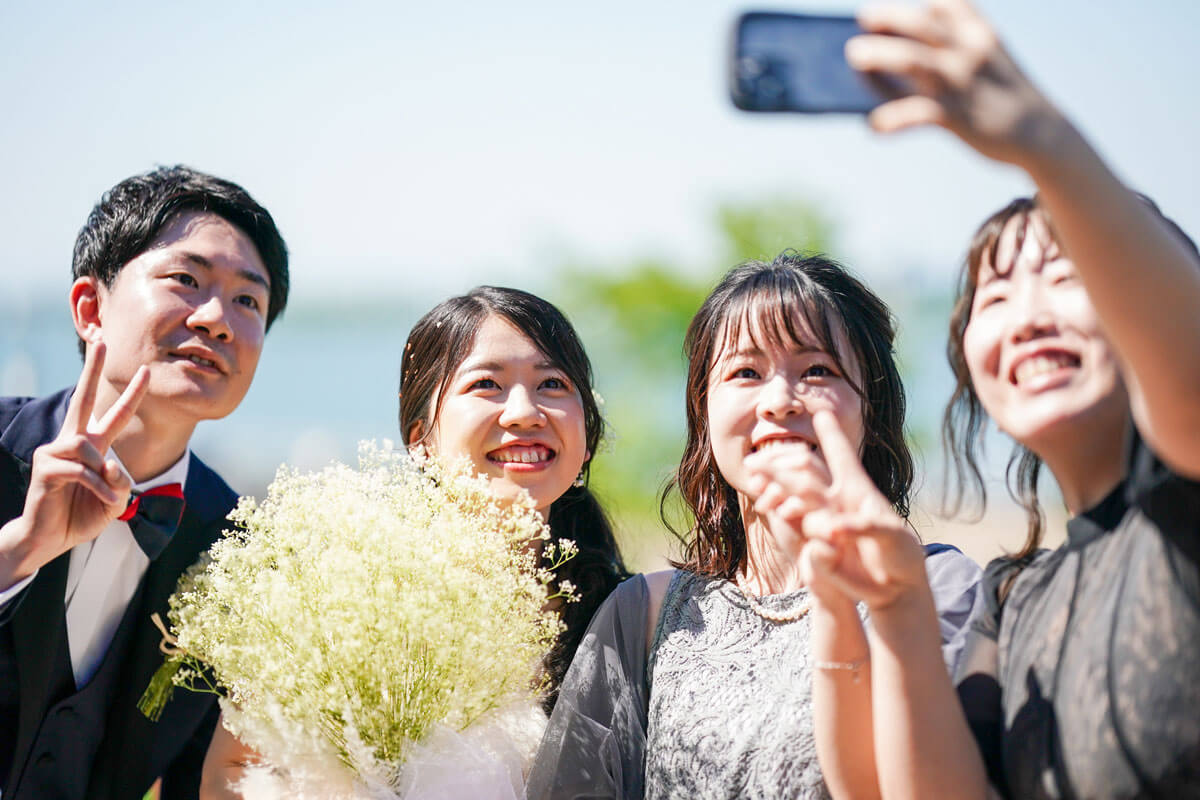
<point x="853" y="667"/>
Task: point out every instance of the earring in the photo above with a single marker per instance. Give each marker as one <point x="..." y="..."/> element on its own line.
<point x="579" y="481"/>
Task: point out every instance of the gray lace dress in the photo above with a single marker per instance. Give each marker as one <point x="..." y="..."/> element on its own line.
<point x="713" y="663"/>
<point x="720" y="707"/>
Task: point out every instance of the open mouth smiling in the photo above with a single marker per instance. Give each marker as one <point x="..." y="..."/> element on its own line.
<point x="204" y="362"/>
<point x="1027" y="368"/>
<point x="773" y="442"/>
<point x="521" y="455"/>
<point x="205" y="359"/>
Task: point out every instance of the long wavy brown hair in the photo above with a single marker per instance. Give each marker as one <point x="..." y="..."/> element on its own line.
<point x="779" y="300"/>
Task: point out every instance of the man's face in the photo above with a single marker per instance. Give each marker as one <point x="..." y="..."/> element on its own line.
<point x="193" y="308"/>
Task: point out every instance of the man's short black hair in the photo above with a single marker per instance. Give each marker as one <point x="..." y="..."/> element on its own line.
<point x="131" y="214"/>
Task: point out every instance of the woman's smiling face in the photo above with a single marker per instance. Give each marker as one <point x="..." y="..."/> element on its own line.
<point x="763" y="394"/>
<point x="514" y="414"/>
<point x="1039" y="361"/>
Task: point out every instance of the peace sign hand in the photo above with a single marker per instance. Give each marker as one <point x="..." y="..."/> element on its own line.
<point x="961" y="77"/>
<point x="73" y="491"/>
<point x="790" y="483"/>
<point x="856" y="542"/>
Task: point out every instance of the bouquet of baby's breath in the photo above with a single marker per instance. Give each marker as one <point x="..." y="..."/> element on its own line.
<point x="375" y="632"/>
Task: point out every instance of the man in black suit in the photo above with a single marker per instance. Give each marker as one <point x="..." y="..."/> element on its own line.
<point x="178" y="276"/>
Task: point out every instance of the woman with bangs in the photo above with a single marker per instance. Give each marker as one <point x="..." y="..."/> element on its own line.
<point x="1076" y="330"/>
<point x="698" y="681"/>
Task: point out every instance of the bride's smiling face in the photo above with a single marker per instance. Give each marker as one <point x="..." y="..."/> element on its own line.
<point x="516" y="415"/>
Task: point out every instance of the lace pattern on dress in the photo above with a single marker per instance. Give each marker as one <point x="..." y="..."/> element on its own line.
<point x="731" y="701"/>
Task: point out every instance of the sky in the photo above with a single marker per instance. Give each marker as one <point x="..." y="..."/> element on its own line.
<point x="426" y="147"/>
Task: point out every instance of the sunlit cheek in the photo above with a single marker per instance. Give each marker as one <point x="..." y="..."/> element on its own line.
<point x="851" y="417"/>
<point x="720" y="457"/>
<point x="1105" y="369"/>
<point x="726" y="450"/>
<point x="981" y="351"/>
<point x="247" y="361"/>
<point x="451" y="436"/>
<point x="718" y="429"/>
<point x="432" y="445"/>
<point x="253" y="333"/>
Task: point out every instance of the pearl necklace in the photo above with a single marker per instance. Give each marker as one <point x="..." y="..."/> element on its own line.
<point x="766" y="613"/>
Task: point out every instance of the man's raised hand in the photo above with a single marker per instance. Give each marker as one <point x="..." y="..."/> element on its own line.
<point x="74" y="492"/>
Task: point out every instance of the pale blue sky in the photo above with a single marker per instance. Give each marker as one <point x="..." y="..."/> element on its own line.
<point x="441" y="145"/>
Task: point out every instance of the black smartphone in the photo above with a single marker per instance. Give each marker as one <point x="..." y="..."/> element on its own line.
<point x="797" y="62"/>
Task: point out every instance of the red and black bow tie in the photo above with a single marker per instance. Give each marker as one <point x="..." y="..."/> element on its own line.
<point x="153" y="515"/>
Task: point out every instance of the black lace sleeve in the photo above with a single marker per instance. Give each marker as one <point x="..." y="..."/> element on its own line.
<point x="1169" y="500"/>
<point x="978" y="669"/>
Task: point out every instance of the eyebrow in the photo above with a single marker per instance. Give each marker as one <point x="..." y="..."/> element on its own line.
<point x="755" y="351"/>
<point x="497" y="366"/>
<point x="245" y="274"/>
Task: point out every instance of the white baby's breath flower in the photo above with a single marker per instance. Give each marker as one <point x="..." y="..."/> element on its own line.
<point x="355" y="611"/>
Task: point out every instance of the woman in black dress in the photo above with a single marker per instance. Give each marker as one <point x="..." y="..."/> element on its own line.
<point x="1077" y="332"/>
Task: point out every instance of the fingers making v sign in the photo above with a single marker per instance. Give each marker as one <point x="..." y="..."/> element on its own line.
<point x="857" y="544"/>
<point x="74" y="491"/>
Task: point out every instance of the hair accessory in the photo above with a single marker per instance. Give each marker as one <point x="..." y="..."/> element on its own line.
<point x="853" y="667"/>
<point x="766" y="613"/>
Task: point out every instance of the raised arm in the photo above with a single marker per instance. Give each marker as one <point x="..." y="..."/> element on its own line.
<point x="791" y="483"/>
<point x="1145" y="284"/>
<point x="1141" y="276"/>
<point x="860" y="548"/>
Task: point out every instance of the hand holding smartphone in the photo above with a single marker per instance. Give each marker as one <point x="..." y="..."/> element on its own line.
<point x="797" y="62"/>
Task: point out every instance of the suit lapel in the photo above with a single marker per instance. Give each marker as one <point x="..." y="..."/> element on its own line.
<point x="193" y="537"/>
<point x="39" y="623"/>
<point x="36" y="423"/>
<point x="128" y="731"/>
<point x="39" y="627"/>
<point x="162" y="577"/>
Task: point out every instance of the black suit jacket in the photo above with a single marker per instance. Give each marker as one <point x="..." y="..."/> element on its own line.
<point x="130" y="751"/>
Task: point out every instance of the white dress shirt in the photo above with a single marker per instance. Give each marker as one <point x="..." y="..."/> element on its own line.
<point x="101" y="579"/>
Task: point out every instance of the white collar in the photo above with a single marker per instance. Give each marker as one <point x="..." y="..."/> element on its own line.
<point x="176" y="473"/>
